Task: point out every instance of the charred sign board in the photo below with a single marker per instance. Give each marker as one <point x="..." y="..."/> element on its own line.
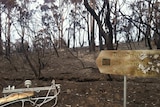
<point x="137" y="63"/>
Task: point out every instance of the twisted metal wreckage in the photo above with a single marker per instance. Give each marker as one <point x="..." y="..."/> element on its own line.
<point x="12" y="95"/>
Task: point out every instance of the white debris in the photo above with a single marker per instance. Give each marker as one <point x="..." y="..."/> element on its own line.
<point x="68" y="105"/>
<point x="141" y="66"/>
<point x="144" y="69"/>
<point x="143" y="56"/>
<point x="155" y="56"/>
<point x="153" y="68"/>
<point x="153" y="65"/>
<point x="158" y="64"/>
<point x="150" y="63"/>
<point x="157" y="70"/>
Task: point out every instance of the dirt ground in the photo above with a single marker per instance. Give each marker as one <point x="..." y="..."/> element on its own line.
<point x="83" y="86"/>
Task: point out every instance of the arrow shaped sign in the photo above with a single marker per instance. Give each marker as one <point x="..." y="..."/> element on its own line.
<point x="138" y="63"/>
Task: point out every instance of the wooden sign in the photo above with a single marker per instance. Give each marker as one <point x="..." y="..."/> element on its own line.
<point x="138" y="63"/>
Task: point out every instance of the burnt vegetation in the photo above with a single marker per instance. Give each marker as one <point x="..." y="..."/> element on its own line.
<point x="88" y="22"/>
<point x="61" y="41"/>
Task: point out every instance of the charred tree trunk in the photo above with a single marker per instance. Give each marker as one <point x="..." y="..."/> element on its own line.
<point x="100" y="41"/>
<point x="74" y="35"/>
<point x="1" y="43"/>
<point x="158" y="43"/>
<point x="95" y="16"/>
<point x="108" y="40"/>
<point x="92" y="24"/>
<point x="109" y="25"/>
<point x="147" y="38"/>
<point x="115" y="23"/>
<point x="92" y="36"/>
<point x="89" y="41"/>
<point x="156" y="35"/>
<point x="8" y="35"/>
<point x="148" y="30"/>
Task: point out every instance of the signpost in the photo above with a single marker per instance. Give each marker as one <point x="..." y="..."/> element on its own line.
<point x="135" y="63"/>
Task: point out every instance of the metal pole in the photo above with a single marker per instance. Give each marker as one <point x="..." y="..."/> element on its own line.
<point x="125" y="91"/>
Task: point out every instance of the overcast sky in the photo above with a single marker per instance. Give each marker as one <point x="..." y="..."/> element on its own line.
<point x="37" y="16"/>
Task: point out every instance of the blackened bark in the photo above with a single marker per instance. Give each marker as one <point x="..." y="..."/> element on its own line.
<point x="8" y="34"/>
<point x="108" y="39"/>
<point x="158" y="43"/>
<point x="92" y="37"/>
<point x="109" y="25"/>
<point x="89" y="41"/>
<point x="96" y="17"/>
<point x="1" y="48"/>
<point x="101" y="30"/>
<point x="157" y="39"/>
<point x="100" y="42"/>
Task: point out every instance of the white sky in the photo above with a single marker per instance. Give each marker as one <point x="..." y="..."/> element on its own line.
<point x="37" y="15"/>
